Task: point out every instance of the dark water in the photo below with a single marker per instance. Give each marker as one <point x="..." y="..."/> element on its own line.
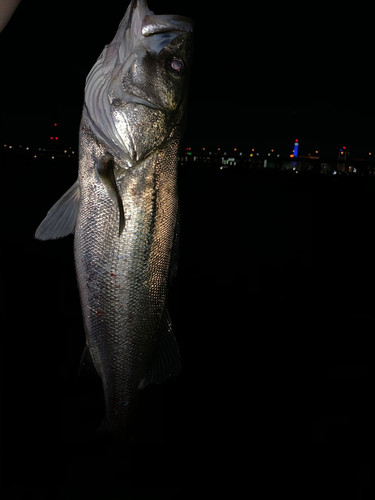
<point x="273" y="311"/>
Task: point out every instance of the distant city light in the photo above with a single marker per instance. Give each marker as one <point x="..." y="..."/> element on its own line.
<point x="343" y="168"/>
<point x="296" y="147"/>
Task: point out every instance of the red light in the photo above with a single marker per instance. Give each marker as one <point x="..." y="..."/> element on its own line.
<point x="51" y="138"/>
<point x="56" y="138"/>
<point x="55" y="124"/>
<point x="296" y="140"/>
<point x="344" y="147"/>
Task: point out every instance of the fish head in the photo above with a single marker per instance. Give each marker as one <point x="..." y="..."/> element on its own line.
<point x="136" y="93"/>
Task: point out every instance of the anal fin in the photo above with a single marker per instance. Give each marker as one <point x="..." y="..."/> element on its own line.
<point x="166" y="358"/>
<point x="86" y="364"/>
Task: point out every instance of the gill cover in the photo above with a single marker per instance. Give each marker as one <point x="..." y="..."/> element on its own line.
<point x="139" y="31"/>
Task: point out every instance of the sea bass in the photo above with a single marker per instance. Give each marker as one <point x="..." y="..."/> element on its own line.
<point x="123" y="209"/>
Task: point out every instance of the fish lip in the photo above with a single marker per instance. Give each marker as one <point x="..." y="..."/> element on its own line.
<point x="134" y="99"/>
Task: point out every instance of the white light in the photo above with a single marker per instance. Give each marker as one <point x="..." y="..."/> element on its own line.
<point x="34" y="156"/>
<point x="10" y="147"/>
<point x="27" y="148"/>
<point x="52" y="157"/>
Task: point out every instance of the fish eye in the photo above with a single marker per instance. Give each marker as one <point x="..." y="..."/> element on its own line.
<point x="177" y="65"/>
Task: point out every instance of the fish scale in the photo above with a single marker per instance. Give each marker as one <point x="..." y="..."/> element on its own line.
<point x="121" y="323"/>
<point x="123" y="209"/>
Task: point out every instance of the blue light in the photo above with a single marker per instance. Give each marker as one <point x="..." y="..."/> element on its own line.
<point x="296" y="147"/>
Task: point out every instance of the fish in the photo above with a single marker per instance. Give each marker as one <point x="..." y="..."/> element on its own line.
<point x="123" y="209"/>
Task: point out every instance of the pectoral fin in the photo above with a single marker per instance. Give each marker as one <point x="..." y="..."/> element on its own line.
<point x="166" y="359"/>
<point x="61" y="219"/>
<point x="107" y="174"/>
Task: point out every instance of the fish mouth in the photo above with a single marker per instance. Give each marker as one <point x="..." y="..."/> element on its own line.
<point x="134" y="99"/>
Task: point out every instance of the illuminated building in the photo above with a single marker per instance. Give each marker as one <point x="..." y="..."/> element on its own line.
<point x="343" y="153"/>
<point x="296" y="148"/>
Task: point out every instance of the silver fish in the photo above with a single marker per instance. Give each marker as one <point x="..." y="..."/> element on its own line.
<point x="123" y="209"/>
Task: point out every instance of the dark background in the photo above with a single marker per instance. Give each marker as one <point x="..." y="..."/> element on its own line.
<point x="259" y="73"/>
<point x="273" y="302"/>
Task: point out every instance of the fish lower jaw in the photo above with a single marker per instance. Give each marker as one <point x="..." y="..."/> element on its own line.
<point x="139" y="101"/>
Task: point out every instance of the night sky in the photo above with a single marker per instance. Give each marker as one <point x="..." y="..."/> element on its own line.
<point x="248" y="64"/>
